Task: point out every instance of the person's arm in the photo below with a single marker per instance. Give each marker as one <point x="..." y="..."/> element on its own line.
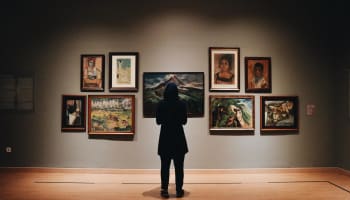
<point x="184" y="114"/>
<point x="159" y="114"/>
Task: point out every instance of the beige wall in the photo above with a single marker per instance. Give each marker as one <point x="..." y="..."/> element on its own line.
<point x="170" y="36"/>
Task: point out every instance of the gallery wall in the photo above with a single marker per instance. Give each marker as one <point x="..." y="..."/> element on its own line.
<point x="342" y="119"/>
<point x="342" y="85"/>
<point x="47" y="40"/>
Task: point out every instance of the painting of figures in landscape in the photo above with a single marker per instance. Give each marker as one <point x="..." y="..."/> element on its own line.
<point x="190" y="85"/>
<point x="279" y="113"/>
<point x="231" y="112"/>
<point x="111" y="114"/>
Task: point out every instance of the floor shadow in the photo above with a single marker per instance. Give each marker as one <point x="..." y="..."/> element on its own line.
<point x="155" y="192"/>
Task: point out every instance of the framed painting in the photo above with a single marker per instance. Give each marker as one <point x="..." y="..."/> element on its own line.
<point x="279" y="113"/>
<point x="17" y="92"/>
<point x="73" y="113"/>
<point x="92" y="73"/>
<point x="224" y="69"/>
<point x="123" y="71"/>
<point x="231" y="112"/>
<point x="190" y="85"/>
<point x="258" y="74"/>
<point x="111" y="114"/>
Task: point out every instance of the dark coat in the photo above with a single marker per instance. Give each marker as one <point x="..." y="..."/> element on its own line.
<point x="171" y="115"/>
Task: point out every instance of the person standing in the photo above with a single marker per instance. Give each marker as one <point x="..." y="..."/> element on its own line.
<point x="171" y="114"/>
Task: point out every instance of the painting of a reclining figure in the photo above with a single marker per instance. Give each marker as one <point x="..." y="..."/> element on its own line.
<point x="190" y="85"/>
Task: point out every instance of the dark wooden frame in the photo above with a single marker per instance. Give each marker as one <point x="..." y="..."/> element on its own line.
<point x="112" y="118"/>
<point x="83" y="74"/>
<point x="279" y="111"/>
<point x="149" y="109"/>
<point x="66" y="127"/>
<point x="214" y="113"/>
<point x="215" y="87"/>
<point x="266" y="62"/>
<point x="134" y="66"/>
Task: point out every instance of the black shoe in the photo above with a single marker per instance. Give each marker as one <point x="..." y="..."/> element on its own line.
<point x="164" y="193"/>
<point x="180" y="193"/>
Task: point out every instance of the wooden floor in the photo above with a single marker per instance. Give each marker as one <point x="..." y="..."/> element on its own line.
<point x="103" y="184"/>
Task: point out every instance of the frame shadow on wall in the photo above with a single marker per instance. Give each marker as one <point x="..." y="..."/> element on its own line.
<point x="279" y="132"/>
<point x="232" y="133"/>
<point x="112" y="137"/>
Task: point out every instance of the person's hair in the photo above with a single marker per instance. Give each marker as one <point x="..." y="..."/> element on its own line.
<point x="245" y="114"/>
<point x="227" y="57"/>
<point x="171" y="92"/>
<point x="259" y="65"/>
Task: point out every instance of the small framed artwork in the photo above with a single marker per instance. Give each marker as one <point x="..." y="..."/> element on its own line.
<point x="230" y="112"/>
<point x="17" y="93"/>
<point x="8" y="88"/>
<point x="92" y="73"/>
<point x="279" y="113"/>
<point x="190" y="85"/>
<point x="111" y="114"/>
<point x="224" y="69"/>
<point x="73" y="113"/>
<point x="123" y="71"/>
<point x="258" y="74"/>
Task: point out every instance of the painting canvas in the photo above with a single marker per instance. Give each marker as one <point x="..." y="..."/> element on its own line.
<point x="73" y="113"/>
<point x="92" y="73"/>
<point x="111" y="114"/>
<point x="229" y="112"/>
<point x="190" y="85"/>
<point x="279" y="113"/>
<point x="224" y="69"/>
<point x="258" y="74"/>
<point x="123" y="70"/>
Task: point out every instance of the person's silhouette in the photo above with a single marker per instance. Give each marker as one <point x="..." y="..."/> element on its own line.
<point x="172" y="115"/>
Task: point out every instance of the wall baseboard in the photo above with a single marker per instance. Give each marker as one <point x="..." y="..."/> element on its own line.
<point x="189" y="171"/>
<point x="344" y="171"/>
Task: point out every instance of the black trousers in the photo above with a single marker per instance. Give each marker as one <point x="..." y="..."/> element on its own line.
<point x="179" y="171"/>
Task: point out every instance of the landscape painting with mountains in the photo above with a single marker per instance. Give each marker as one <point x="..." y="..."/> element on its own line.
<point x="190" y="85"/>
